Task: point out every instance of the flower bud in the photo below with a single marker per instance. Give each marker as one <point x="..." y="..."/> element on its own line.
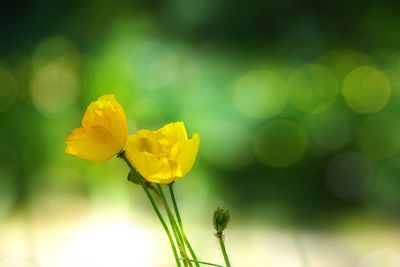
<point x="221" y="219"/>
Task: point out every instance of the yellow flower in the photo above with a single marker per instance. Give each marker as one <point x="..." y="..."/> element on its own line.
<point x="163" y="155"/>
<point x="103" y="133"/>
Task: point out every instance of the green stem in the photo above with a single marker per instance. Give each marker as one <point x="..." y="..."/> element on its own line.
<point x="178" y="217"/>
<point x="223" y="249"/>
<point x="206" y="263"/>
<point x="174" y="226"/>
<point x="157" y="211"/>
<point x="171" y="241"/>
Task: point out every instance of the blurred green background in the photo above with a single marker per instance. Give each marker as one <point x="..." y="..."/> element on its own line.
<point x="297" y="105"/>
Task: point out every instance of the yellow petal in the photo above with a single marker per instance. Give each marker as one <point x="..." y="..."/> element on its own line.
<point x="103" y="133"/>
<point x="94" y="143"/>
<point x="108" y="113"/>
<point x="144" y="141"/>
<point x="187" y="154"/>
<point x="153" y="169"/>
<point x="163" y="155"/>
<point x="171" y="133"/>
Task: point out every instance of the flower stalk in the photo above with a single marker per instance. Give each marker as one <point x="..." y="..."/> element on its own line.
<point x="223" y="250"/>
<point x="178" y="235"/>
<point x="206" y="263"/>
<point x="155" y="208"/>
<point x="220" y="221"/>
<point x="178" y="217"/>
<point x="171" y="241"/>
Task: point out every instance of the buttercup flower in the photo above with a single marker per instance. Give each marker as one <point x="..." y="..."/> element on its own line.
<point x="103" y="133"/>
<point x="163" y="155"/>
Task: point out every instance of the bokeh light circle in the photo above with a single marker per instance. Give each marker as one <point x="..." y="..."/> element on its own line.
<point x="391" y="68"/>
<point x="227" y="144"/>
<point x="141" y="59"/>
<point x="280" y="143"/>
<point x="163" y="71"/>
<point x="366" y="89"/>
<point x="260" y="94"/>
<point x="394" y="80"/>
<point x="312" y="88"/>
<point x="331" y="129"/>
<point x="388" y="182"/>
<point x="341" y="62"/>
<point x="379" y="136"/>
<point x="56" y="49"/>
<point x="8" y="89"/>
<point x="23" y="76"/>
<point x="54" y="88"/>
<point x="349" y="175"/>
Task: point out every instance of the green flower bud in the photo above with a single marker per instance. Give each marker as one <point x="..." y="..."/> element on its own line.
<point x="221" y="219"/>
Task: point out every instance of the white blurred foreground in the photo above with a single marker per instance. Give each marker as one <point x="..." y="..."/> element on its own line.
<point x="115" y="239"/>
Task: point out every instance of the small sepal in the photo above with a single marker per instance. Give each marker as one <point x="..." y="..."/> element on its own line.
<point x="134" y="177"/>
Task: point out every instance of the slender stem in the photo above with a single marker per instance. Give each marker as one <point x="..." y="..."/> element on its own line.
<point x="174" y="225"/>
<point x="223" y="249"/>
<point x="157" y="211"/>
<point x="178" y="217"/>
<point x="206" y="263"/>
<point x="171" y="241"/>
